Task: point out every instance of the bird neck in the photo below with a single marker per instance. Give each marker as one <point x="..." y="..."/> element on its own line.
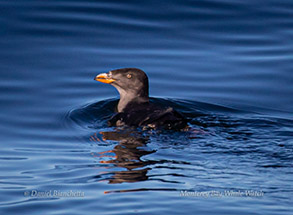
<point x="130" y="98"/>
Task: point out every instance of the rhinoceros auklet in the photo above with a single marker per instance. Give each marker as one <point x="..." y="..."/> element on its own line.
<point x="134" y="108"/>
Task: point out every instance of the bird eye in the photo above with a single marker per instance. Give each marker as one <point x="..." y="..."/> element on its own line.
<point x="128" y="76"/>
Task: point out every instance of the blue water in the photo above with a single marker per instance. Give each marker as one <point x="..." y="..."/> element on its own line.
<point x="227" y="65"/>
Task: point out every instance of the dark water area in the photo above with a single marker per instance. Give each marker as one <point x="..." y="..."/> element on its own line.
<point x="226" y="65"/>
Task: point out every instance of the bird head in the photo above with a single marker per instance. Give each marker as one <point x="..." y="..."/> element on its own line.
<point x="128" y="81"/>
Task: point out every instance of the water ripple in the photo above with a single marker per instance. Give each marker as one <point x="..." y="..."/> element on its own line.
<point x="226" y="65"/>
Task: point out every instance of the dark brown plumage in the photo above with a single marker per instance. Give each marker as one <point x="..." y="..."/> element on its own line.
<point x="134" y="107"/>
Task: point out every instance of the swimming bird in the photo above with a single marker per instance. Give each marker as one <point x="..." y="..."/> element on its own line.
<point x="134" y="107"/>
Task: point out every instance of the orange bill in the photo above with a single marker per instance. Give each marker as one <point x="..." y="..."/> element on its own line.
<point x="104" y="78"/>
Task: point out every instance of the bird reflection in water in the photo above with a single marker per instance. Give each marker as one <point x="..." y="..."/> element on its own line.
<point x="128" y="153"/>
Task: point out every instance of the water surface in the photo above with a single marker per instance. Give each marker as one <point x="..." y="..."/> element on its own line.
<point x="226" y="65"/>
